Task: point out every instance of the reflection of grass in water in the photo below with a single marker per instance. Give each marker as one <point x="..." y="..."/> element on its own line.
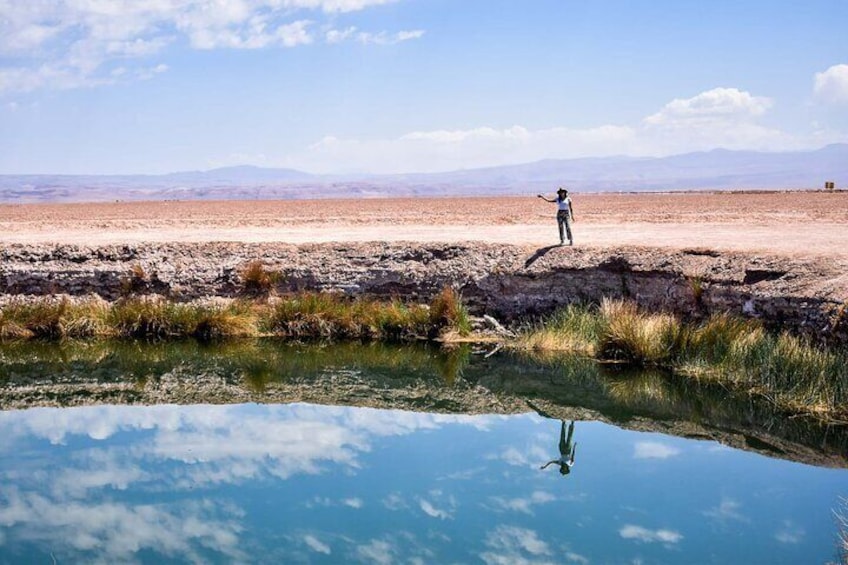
<point x="631" y="388"/>
<point x="789" y="370"/>
<point x="565" y="366"/>
<point x="841" y="515"/>
<point x="635" y="388"/>
<point x="452" y="361"/>
<point x="258" y="361"/>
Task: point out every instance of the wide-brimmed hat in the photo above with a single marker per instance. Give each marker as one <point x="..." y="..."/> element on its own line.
<point x="560" y="190"/>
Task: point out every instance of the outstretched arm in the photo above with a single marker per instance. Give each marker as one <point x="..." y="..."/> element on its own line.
<point x="545" y="199"/>
<point x="545" y="466"/>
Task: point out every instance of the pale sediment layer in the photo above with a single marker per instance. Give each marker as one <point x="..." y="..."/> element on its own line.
<point x="511" y="282"/>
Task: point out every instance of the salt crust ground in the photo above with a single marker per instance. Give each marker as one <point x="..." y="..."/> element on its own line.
<point x="799" y="224"/>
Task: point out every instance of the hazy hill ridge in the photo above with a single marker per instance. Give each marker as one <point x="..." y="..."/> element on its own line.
<point x="718" y="169"/>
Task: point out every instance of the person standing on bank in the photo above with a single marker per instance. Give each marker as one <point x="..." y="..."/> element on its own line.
<point x="565" y="214"/>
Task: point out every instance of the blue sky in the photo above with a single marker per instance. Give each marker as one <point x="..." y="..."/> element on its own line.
<point x="132" y="86"/>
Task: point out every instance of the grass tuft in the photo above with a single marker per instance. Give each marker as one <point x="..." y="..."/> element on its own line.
<point x="334" y="316"/>
<point x="448" y="312"/>
<point x="51" y="319"/>
<point x="789" y="370"/>
<point x="574" y="328"/>
<point x="256" y="280"/>
<point x="644" y="339"/>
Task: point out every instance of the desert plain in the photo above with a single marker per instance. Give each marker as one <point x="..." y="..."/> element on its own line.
<point x="800" y="224"/>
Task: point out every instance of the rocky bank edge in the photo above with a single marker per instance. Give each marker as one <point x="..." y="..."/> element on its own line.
<point x="807" y="296"/>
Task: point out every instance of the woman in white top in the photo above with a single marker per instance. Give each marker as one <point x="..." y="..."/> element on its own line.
<point x="565" y="214"/>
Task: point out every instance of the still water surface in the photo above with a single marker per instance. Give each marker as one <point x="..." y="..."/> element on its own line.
<point x="288" y="483"/>
<point x="300" y="482"/>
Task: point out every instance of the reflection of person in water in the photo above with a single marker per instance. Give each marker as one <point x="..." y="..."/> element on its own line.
<point x="566" y="451"/>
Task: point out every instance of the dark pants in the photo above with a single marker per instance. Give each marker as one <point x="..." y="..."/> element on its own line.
<point x="564" y="219"/>
<point x="565" y="447"/>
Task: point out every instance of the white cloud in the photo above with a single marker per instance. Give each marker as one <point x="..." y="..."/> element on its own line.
<point x="385" y="38"/>
<point x="446" y="505"/>
<point x="115" y="531"/>
<point x="528" y="457"/>
<point x="430" y="510"/>
<point x="523" y="505"/>
<point x="516" y="546"/>
<point x="654" y="450"/>
<point x="230" y="444"/>
<point x="645" y="535"/>
<point x="72" y="44"/>
<point x="395" y="501"/>
<point x="334" y="36"/>
<point x="353" y="502"/>
<point x="722" y="117"/>
<point x="727" y="510"/>
<point x="790" y="533"/>
<point x="712" y="106"/>
<point x="316" y="545"/>
<point x="831" y="86"/>
<point x="576" y="558"/>
<point x="60" y="505"/>
<point x="256" y="36"/>
<point x="377" y="551"/>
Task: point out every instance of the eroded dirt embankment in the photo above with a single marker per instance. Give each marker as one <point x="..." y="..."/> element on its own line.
<point x="510" y="282"/>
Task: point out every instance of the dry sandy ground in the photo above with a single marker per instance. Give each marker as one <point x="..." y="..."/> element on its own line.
<point x="798" y="223"/>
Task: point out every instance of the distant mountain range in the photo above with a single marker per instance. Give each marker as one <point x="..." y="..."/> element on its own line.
<point x="719" y="169"/>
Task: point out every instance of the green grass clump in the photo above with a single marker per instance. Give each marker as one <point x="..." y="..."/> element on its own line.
<point x="574" y="329"/>
<point x="636" y="337"/>
<point x="237" y="319"/>
<point x="143" y="318"/>
<point x="448" y="312"/>
<point x="149" y="319"/>
<point x="302" y="316"/>
<point x="256" y="280"/>
<point x="52" y="319"/>
<point x="789" y="370"/>
<point x="334" y="316"/>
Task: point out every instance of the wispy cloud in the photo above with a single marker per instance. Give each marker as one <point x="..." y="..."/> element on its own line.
<point x="352" y="33"/>
<point x="116" y="531"/>
<point x="728" y="509"/>
<point x="513" y="544"/>
<point x="395" y="501"/>
<point x="572" y="557"/>
<point x="654" y="450"/>
<point x="377" y="551"/>
<point x="646" y="535"/>
<point x="353" y="502"/>
<point x="722" y="117"/>
<point x="68" y="44"/>
<point x="522" y="504"/>
<point x="316" y="545"/>
<point x="525" y="457"/>
<point x="446" y="508"/>
<point x="790" y="533"/>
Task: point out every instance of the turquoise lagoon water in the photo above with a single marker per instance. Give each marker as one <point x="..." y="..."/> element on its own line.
<point x="327" y="484"/>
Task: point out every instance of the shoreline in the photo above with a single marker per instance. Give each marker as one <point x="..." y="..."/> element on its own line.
<point x="805" y="296"/>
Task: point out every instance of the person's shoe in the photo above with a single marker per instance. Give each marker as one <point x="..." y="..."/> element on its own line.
<point x="570" y="242"/>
